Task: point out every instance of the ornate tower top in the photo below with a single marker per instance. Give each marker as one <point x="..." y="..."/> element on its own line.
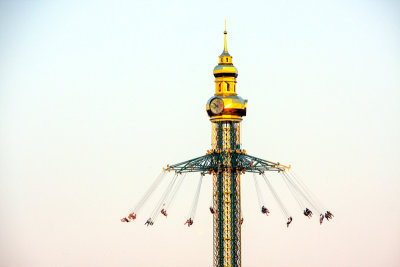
<point x="226" y="104"/>
<point x="225" y="72"/>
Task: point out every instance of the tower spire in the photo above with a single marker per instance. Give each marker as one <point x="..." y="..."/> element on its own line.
<point x="225" y="33"/>
<point x="225" y="73"/>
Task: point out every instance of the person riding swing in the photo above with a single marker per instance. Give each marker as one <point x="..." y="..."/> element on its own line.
<point x="164" y="212"/>
<point x="149" y="222"/>
<point x="132" y="216"/>
<point x="321" y="218"/>
<point x="124" y="219"/>
<point x="264" y="210"/>
<point x="212" y="210"/>
<point x="308" y="213"/>
<point x="289" y="221"/>
<point x="328" y="215"/>
<point x="189" y="222"/>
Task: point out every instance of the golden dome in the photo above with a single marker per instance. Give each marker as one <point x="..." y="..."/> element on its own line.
<point x="225" y="66"/>
<point x="226" y="105"/>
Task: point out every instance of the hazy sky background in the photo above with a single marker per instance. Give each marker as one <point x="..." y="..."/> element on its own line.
<point x="97" y="96"/>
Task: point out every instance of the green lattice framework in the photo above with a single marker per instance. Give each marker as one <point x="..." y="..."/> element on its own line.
<point x="226" y="161"/>
<point x="212" y="162"/>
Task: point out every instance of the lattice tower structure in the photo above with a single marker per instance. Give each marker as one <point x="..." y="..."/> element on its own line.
<point x="226" y="195"/>
<point x="226" y="161"/>
<point x="226" y="109"/>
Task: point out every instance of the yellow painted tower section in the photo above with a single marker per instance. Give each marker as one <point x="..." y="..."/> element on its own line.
<point x="226" y="110"/>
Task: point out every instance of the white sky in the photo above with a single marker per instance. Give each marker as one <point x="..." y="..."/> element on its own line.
<point x="96" y="97"/>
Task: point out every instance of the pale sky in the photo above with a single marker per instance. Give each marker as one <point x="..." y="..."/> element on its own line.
<point x="97" y="96"/>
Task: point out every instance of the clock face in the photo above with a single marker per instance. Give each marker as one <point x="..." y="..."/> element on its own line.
<point x="217" y="105"/>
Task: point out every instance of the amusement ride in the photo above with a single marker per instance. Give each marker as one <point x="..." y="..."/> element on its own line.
<point x="226" y="161"/>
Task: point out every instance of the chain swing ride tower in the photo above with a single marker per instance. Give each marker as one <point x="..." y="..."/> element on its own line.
<point x="226" y="110"/>
<point x="225" y="162"/>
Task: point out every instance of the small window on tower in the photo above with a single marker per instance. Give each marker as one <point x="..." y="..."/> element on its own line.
<point x="226" y="59"/>
<point x="221" y="59"/>
<point x="219" y="85"/>
<point x="227" y="87"/>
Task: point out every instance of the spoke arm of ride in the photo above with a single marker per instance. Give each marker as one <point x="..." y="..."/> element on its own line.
<point x="253" y="164"/>
<point x="199" y="164"/>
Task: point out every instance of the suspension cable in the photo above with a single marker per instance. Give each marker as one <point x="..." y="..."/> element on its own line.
<point x="259" y="195"/>
<point x="278" y="200"/>
<point x="294" y="193"/>
<point x="196" y="199"/>
<point x="167" y="191"/>
<point x="307" y="190"/>
<point x="296" y="187"/>
<point x="169" y="201"/>
<point x="148" y="193"/>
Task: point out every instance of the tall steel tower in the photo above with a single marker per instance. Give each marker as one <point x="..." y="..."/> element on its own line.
<point x="226" y="110"/>
<point x="226" y="161"/>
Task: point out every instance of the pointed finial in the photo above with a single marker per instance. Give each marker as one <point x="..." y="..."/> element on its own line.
<point x="225" y="32"/>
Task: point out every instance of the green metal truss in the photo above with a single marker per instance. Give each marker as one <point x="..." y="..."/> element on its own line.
<point x="212" y="162"/>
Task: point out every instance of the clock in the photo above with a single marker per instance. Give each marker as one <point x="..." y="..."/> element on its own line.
<point x="217" y="105"/>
